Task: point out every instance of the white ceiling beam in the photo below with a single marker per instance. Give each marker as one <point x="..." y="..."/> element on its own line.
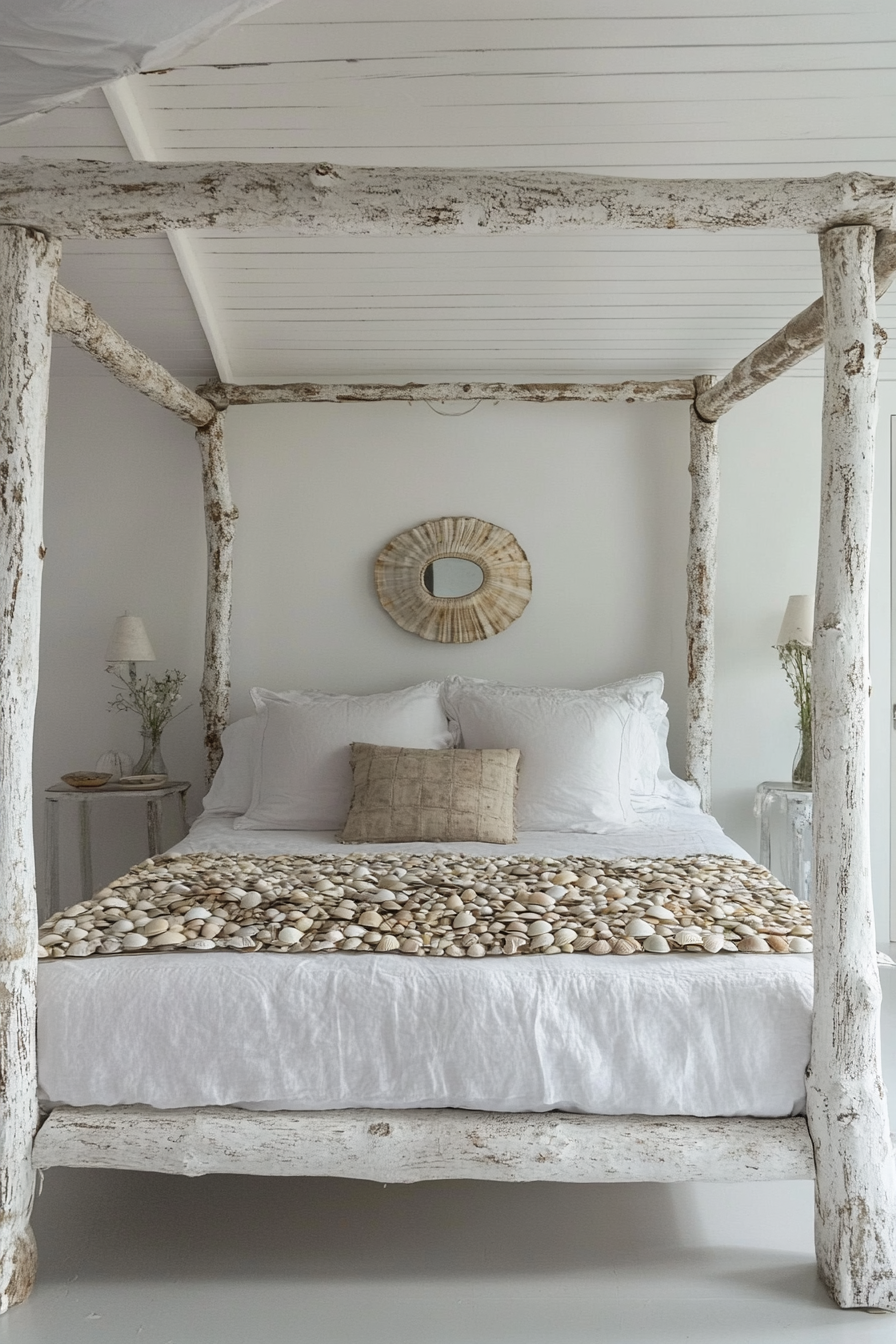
<point x="131" y="122"/>
<point x="77" y="199"/>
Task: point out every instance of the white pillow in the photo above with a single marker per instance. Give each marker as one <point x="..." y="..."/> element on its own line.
<point x="231" y="788"/>
<point x="653" y="783"/>
<point x="575" y="764"/>
<point x="303" y="779"/>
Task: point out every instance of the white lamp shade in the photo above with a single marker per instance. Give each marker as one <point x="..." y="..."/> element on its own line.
<point x="129" y="642"/>
<point x="797" y="625"/>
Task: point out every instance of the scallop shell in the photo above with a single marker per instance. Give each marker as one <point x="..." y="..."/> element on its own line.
<point x="753" y="943"/>
<point x="656" y="943"/>
<point x="713" y="942"/>
<point x="638" y="928"/>
<point x="541" y="940"/>
<point x="600" y="948"/>
<point x="687" y="937"/>
<point x="800" y="945"/>
<point x="624" y="947"/>
<point x="388" y="943"/>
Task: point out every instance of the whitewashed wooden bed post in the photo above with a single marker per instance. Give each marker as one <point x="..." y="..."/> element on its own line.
<point x="220" y="525"/>
<point x="701" y="581"/>
<point x="28" y="265"/>
<point x="855" y="1222"/>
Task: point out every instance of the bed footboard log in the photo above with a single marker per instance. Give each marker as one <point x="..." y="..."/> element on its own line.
<point x="28" y="266"/>
<point x="855" y="1221"/>
<point x="220" y="525"/>
<point x="701" y="583"/>
<point x="399" y="1147"/>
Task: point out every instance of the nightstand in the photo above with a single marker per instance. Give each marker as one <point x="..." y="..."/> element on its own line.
<point x="85" y="800"/>
<point x="784" y="810"/>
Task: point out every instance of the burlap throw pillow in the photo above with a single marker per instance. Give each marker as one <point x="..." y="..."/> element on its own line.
<point x="406" y="793"/>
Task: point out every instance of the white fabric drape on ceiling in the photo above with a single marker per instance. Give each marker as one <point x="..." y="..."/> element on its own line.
<point x="53" y="50"/>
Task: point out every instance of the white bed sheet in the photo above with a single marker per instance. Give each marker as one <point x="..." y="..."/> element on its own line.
<point x="697" y="1035"/>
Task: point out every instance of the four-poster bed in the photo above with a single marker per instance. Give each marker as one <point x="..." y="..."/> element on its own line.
<point x="847" y="1134"/>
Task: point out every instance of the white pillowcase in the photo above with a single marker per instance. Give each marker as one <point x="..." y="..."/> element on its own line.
<point x="576" y="760"/>
<point x="231" y="788"/>
<point x="302" y="778"/>
<point x="653" y="783"/>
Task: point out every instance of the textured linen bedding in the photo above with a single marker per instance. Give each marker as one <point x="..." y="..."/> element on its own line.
<point x="689" y="1035"/>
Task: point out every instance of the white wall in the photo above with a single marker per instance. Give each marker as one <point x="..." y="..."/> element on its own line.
<point x="597" y="497"/>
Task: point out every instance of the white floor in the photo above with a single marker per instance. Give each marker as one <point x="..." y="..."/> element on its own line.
<point x="243" y="1260"/>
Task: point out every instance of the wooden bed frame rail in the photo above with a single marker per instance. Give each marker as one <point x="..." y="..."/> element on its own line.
<point x="848" y="1130"/>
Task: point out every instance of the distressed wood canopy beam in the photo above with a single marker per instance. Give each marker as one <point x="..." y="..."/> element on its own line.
<point x="78" y="199"/>
<point x="249" y="394"/>
<point x="73" y="317"/>
<point x="803" y="335"/>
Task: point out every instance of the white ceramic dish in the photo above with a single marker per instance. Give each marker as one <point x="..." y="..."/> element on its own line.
<point x="143" y="781"/>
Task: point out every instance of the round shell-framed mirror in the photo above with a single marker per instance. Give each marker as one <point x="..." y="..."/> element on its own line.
<point x="483" y="589"/>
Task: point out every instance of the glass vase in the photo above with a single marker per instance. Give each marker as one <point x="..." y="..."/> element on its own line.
<point x="151" y="761"/>
<point x="802" y="761"/>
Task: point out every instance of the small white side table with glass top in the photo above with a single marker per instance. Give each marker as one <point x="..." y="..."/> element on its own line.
<point x="85" y="800"/>
<point x="784" y="810"/>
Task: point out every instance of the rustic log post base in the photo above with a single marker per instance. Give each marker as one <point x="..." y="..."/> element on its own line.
<point x="28" y="265"/>
<point x="855" y="1191"/>
<point x="701" y="580"/>
<point x="220" y="525"/>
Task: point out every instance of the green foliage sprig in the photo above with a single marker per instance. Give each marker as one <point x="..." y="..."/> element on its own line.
<point x="152" y="699"/>
<point x="796" y="660"/>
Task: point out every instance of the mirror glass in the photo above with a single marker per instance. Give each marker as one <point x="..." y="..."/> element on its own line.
<point x="452" y="577"/>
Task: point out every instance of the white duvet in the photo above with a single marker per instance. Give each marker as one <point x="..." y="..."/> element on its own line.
<point x="690" y="1035"/>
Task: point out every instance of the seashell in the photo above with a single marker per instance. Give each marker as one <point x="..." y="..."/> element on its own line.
<point x="728" y="946"/>
<point x="639" y="928"/>
<point x="798" y="931"/>
<point x="454" y="902"/>
<point x="388" y="943"/>
<point x="624" y="947"/>
<point x="713" y="942"/>
<point x="289" y="935"/>
<point x="753" y="943"/>
<point x="114" y="903"/>
<point x="586" y="883"/>
<point x="77" y="935"/>
<point x="798" y="944"/>
<point x="452" y="950"/>
<point x="582" y="943"/>
<point x="201" y="945"/>
<point x="41" y="952"/>
<point x="660" y="914"/>
<point x="540" y="900"/>
<point x="563" y="937"/>
<point x="155" y="926"/>
<point x="463" y="919"/>
<point x="541" y="940"/>
<point x="354" y="930"/>
<point x="197" y="912"/>
<point x="476" y="950"/>
<point x="656" y="943"/>
<point x="557" y="893"/>
<point x="132" y="941"/>
<point x="411" y="945"/>
<point x="350" y="944"/>
<point x="50" y="940"/>
<point x="513" y="942"/>
<point x="170" y="938"/>
<point x="370" y="919"/>
<point x="121" y="926"/>
<point x="540" y="926"/>
<point x="688" y="938"/>
<point x="250" y="900"/>
<point x="63" y="925"/>
<point x="78" y="950"/>
<point x="303" y="923"/>
<point x="239" y="942"/>
<point x="566" y="877"/>
<point x="777" y="943"/>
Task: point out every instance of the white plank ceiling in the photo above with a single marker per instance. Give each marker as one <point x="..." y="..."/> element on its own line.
<point x="708" y="88"/>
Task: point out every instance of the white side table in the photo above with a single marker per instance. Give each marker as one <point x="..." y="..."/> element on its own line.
<point x="85" y="800"/>
<point x="784" y="810"/>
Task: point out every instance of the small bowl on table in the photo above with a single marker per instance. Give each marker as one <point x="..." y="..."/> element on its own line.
<point x="142" y="781"/>
<point x="85" y="779"/>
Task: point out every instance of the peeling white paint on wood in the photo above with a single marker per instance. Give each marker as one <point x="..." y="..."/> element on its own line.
<point x="28" y="266"/>
<point x="80" y="199"/>
<point x="220" y="525"/>
<point x="855" y="1203"/>
<point x="250" y="394"/>
<point x="404" y="1146"/>
<point x="802" y="336"/>
<point x="75" y="318"/>
<point x="701" y="589"/>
